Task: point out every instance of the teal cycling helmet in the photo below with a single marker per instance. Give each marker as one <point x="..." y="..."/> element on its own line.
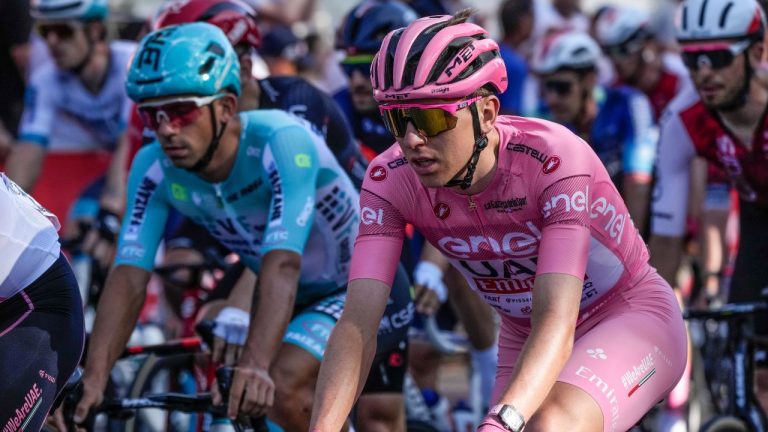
<point x="194" y="59"/>
<point x="82" y="10"/>
<point x="186" y="59"/>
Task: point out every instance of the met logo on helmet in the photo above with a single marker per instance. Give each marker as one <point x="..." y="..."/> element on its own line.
<point x="150" y="53"/>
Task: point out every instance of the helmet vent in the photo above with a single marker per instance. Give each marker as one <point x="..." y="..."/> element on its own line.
<point x="724" y="16"/>
<point x="703" y="13"/>
<point x="207" y="66"/>
<point x="684" y="24"/>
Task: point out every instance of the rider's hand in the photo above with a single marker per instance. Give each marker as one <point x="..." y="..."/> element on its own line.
<point x="429" y="289"/>
<point x="55" y="421"/>
<point x="491" y="424"/>
<point x="252" y="392"/>
<point x="100" y="240"/>
<point x="230" y="333"/>
<point x="93" y="395"/>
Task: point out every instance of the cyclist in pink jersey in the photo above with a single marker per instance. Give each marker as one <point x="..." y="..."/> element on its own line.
<point x="591" y="336"/>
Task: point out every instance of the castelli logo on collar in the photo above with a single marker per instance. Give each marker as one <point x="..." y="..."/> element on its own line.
<point x="551" y="165"/>
<point x="442" y="211"/>
<point x="378" y="173"/>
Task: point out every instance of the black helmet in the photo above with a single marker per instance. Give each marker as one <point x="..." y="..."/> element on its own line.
<point x="365" y="26"/>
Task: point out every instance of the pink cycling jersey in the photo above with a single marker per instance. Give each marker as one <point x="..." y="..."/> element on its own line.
<point x="550" y="208"/>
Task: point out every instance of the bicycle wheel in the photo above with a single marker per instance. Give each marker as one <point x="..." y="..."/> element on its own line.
<point x="725" y="424"/>
<point x="157" y="374"/>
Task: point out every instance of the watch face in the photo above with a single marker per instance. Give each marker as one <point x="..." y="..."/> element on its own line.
<point x="511" y="418"/>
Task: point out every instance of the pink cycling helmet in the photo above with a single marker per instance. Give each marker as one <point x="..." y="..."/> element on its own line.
<point x="436" y="57"/>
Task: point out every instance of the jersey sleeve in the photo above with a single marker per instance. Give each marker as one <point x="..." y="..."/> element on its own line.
<point x="291" y="164"/>
<point x="380" y="239"/>
<point x="564" y="188"/>
<point x="146" y="214"/>
<point x="642" y="137"/>
<point x="40" y="102"/>
<point x="670" y="196"/>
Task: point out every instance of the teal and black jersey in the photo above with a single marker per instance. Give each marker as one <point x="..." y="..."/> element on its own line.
<point x="286" y="191"/>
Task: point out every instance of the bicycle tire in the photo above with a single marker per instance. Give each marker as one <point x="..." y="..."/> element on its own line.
<point x="725" y="424"/>
<point x="147" y="372"/>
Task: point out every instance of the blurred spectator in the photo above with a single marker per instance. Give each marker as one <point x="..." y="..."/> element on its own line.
<point x="557" y="16"/>
<point x="285" y="53"/>
<point x="15" y="30"/>
<point x="516" y="17"/>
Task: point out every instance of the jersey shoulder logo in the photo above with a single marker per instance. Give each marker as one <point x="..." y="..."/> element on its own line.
<point x="378" y="173"/>
<point x="551" y="165"/>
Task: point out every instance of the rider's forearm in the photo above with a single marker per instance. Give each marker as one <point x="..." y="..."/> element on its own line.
<point x="25" y="164"/>
<point x="549" y="345"/>
<point x="346" y="364"/>
<point x="637" y="195"/>
<point x="666" y="253"/>
<point x="276" y="290"/>
<point x="116" y="317"/>
<point x="349" y="355"/>
<point x="113" y="195"/>
<point x="433" y="255"/>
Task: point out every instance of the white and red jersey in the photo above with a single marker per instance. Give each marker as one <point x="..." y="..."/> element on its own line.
<point x="29" y="242"/>
<point x="689" y="129"/>
<point x="551" y="208"/>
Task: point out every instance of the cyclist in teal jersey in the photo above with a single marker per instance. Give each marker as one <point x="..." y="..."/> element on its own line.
<point x="267" y="189"/>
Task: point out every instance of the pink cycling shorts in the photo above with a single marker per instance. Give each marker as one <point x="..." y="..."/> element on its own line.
<point x="627" y="356"/>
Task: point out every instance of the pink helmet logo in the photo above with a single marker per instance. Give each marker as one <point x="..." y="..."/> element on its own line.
<point x="551" y="165"/>
<point x="378" y="173"/>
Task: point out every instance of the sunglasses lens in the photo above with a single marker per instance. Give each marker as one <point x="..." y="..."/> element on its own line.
<point x="717" y="59"/>
<point x="395" y="121"/>
<point x="561" y="88"/>
<point x="432" y="121"/>
<point x="177" y="114"/>
<point x="62" y="31"/>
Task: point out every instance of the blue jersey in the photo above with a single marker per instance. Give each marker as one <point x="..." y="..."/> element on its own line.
<point x="517" y="73"/>
<point x="623" y="134"/>
<point x="368" y="128"/>
<point x="286" y="191"/>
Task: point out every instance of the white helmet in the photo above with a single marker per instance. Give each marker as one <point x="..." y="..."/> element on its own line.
<point x="719" y="19"/>
<point x="69" y="9"/>
<point x="617" y="26"/>
<point x="569" y="50"/>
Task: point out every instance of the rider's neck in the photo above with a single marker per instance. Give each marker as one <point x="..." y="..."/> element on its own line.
<point x="225" y="156"/>
<point x="251" y="93"/>
<point x="749" y="115"/>
<point x="96" y="70"/>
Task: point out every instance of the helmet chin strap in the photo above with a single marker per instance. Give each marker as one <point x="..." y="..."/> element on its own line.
<point x="212" y="146"/>
<point x="481" y="142"/>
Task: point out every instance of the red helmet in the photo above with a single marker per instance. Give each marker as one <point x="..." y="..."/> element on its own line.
<point x="236" y="18"/>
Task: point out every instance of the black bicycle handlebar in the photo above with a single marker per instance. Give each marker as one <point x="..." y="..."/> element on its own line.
<point x="728" y="311"/>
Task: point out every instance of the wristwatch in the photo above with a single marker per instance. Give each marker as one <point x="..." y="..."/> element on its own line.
<point x="509" y="416"/>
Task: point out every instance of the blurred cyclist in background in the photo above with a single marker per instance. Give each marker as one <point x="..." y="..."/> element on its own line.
<point x="85" y="84"/>
<point x="617" y="121"/>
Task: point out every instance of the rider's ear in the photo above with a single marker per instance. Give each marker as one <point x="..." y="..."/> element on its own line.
<point x="488" y="112"/>
<point x="227" y="107"/>
<point x="755" y="53"/>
